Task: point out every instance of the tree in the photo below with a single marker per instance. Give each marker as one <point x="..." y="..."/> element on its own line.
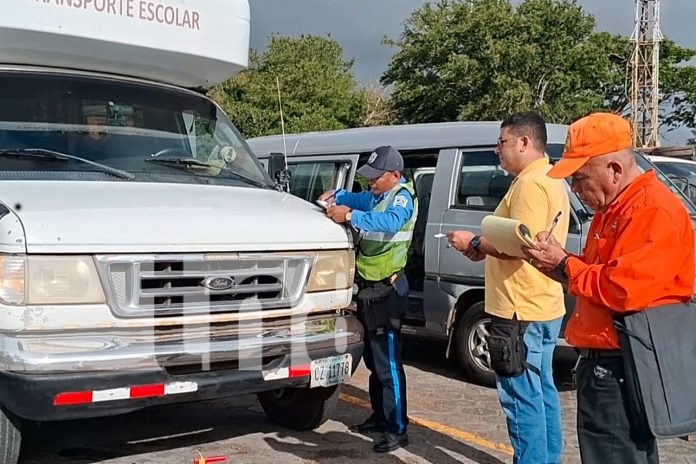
<point x="318" y="90"/>
<point x="677" y="85"/>
<point x="378" y="110"/>
<point x="484" y="59"/>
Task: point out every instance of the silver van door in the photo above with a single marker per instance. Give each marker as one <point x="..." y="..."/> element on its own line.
<point x="478" y="185"/>
<point x="310" y="176"/>
<point x="580" y="217"/>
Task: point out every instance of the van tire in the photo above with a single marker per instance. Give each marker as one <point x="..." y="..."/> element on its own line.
<point x="299" y="408"/>
<point x="471" y="347"/>
<point x="10" y="438"/>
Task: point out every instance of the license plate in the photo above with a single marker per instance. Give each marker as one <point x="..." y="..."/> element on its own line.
<point x="327" y="372"/>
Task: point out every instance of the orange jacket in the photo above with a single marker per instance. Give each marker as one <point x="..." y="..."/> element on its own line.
<point x="639" y="254"/>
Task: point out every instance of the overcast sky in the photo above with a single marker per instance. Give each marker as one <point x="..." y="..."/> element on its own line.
<point x="359" y="25"/>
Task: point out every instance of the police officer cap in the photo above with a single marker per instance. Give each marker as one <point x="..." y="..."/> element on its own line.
<point x="383" y="159"/>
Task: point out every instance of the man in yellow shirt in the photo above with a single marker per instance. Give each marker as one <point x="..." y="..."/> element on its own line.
<point x="526" y="306"/>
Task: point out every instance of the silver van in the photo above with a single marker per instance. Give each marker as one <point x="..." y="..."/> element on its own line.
<point x="458" y="181"/>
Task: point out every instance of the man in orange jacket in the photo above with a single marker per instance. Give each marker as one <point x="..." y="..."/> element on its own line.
<point x="639" y="254"/>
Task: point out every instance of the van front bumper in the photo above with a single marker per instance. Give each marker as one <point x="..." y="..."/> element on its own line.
<point x="67" y="376"/>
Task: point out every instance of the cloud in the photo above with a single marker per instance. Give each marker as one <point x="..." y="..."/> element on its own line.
<point x="360" y="25"/>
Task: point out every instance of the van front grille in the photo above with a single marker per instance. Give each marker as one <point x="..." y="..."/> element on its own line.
<point x="167" y="285"/>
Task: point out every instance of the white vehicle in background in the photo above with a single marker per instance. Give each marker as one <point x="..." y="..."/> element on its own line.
<point x="682" y="171"/>
<point x="145" y="255"/>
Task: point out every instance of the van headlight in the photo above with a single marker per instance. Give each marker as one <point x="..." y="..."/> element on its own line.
<point x="42" y="280"/>
<point x="332" y="270"/>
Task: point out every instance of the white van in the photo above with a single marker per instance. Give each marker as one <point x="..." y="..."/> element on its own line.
<point x="145" y="255"/>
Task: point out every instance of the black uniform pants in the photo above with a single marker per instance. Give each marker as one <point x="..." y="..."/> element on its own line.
<point x="382" y="318"/>
<point x="609" y="429"/>
<point x="382" y="357"/>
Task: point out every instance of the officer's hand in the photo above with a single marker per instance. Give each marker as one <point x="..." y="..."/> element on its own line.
<point x="328" y="196"/>
<point x="338" y="213"/>
<point x="460" y="239"/>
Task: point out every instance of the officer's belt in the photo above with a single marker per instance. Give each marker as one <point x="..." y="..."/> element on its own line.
<point x="362" y="283"/>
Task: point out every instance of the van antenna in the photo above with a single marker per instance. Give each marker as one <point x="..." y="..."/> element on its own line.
<point x="282" y="122"/>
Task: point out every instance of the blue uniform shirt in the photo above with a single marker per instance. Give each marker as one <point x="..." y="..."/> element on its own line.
<point x="363" y="218"/>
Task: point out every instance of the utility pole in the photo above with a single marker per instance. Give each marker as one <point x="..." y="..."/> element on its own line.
<point x="644" y="85"/>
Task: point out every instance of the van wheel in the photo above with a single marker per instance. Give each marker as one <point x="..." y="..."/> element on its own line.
<point x="10" y="438"/>
<point x="300" y="408"/>
<point x="471" y="345"/>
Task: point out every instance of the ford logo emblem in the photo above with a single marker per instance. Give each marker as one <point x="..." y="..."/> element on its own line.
<point x="218" y="283"/>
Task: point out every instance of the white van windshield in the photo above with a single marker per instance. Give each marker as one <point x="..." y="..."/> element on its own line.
<point x="65" y="127"/>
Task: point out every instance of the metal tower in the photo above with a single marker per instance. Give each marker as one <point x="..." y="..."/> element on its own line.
<point x="644" y="90"/>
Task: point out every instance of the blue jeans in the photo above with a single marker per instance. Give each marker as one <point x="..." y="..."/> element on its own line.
<point x="531" y="402"/>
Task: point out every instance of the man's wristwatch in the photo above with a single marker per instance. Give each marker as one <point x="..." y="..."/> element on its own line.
<point x="348" y="216"/>
<point x="560" y="268"/>
<point x="476" y="242"/>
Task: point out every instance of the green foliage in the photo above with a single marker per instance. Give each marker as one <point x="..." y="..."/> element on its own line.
<point x="317" y="88"/>
<point x="485" y="59"/>
<point x="678" y="84"/>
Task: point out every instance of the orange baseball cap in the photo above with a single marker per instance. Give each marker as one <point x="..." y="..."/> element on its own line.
<point x="595" y="135"/>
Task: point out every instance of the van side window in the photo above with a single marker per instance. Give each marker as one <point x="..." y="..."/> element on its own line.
<point x="482" y="182"/>
<point x="310" y="180"/>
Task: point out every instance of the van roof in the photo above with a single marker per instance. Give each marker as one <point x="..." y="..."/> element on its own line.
<point x="403" y="137"/>
<point x="186" y="43"/>
<point x="669" y="159"/>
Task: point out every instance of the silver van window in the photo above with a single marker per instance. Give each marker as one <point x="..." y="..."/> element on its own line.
<point x="482" y="182"/>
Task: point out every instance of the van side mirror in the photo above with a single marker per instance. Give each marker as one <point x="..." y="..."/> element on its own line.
<point x="278" y="172"/>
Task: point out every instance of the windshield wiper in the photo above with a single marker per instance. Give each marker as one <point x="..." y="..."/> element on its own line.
<point x="193" y="162"/>
<point x="58" y="156"/>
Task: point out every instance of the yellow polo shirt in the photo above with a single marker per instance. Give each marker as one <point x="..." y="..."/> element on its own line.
<point x="515" y="286"/>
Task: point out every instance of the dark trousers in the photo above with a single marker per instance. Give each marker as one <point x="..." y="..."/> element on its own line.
<point x="382" y="357"/>
<point x="609" y="429"/>
<point x="382" y="307"/>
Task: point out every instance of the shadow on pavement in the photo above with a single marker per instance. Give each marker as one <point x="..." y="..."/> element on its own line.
<point x="150" y="430"/>
<point x="429" y="355"/>
<point x="205" y="425"/>
<point x="429" y="445"/>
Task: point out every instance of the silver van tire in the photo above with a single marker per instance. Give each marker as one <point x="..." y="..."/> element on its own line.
<point x="10" y="438"/>
<point x="299" y="408"/>
<point x="471" y="347"/>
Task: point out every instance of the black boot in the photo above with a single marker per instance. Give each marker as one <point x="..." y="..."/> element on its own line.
<point x="391" y="441"/>
<point x="371" y="424"/>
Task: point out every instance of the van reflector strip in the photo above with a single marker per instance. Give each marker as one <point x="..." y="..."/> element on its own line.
<point x="124" y="393"/>
<point x="72" y="398"/>
<point x="300" y="371"/>
<point x="145" y="391"/>
<point x="291" y="372"/>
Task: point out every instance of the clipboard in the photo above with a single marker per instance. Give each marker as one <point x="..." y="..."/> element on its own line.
<point x="508" y="236"/>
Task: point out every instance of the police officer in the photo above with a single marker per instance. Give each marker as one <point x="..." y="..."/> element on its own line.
<point x="384" y="217"/>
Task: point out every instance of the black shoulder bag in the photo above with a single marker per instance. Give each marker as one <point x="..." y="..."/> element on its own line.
<point x="507" y="349"/>
<point x="659" y="353"/>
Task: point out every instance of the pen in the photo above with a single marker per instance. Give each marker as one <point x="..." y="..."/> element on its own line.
<point x="449" y="245"/>
<point x="554" y="223"/>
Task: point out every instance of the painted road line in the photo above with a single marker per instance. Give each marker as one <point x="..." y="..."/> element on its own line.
<point x="441" y="428"/>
